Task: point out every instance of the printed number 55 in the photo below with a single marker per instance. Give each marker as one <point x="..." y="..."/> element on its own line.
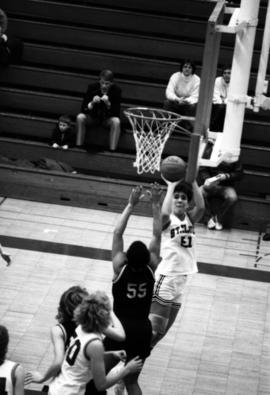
<point x="136" y="290"/>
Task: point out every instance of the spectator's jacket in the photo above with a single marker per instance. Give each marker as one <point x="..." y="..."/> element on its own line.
<point x="11" y="50"/>
<point x="63" y="138"/>
<point x="221" y="89"/>
<point x="100" y="110"/>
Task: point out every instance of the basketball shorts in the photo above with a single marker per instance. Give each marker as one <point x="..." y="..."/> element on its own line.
<point x="169" y="290"/>
<point x="138" y="339"/>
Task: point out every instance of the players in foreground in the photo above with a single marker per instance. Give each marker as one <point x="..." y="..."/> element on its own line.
<point x="133" y="282"/>
<point x="65" y="330"/>
<point x="178" y="253"/>
<point x="84" y="358"/>
<point x="11" y="373"/>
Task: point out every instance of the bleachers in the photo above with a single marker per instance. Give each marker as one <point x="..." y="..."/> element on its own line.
<point x="67" y="43"/>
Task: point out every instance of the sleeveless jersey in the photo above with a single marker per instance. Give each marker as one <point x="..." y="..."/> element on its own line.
<point x="178" y="248"/>
<point x="68" y="329"/>
<point x="132" y="292"/>
<point x="76" y="368"/>
<point x="6" y="371"/>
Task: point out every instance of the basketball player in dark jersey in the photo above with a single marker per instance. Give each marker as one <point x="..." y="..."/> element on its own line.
<point x="133" y="283"/>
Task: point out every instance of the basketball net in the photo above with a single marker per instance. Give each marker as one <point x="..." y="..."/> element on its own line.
<point x="151" y="129"/>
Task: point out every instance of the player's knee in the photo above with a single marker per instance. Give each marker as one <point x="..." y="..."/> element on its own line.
<point x="159" y="324"/>
<point x="115" y="122"/>
<point x="81" y="117"/>
<point x="231" y="196"/>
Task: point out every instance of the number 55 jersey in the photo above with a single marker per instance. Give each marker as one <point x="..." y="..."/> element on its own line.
<point x="178" y="248"/>
<point x="132" y="293"/>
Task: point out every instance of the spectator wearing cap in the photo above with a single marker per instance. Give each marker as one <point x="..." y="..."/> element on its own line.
<point x="62" y="136"/>
<point x="101" y="106"/>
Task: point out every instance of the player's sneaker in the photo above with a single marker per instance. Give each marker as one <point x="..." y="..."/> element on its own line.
<point x="211" y="223"/>
<point x="218" y="226"/>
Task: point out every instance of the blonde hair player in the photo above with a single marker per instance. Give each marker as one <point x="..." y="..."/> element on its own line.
<point x="178" y="253"/>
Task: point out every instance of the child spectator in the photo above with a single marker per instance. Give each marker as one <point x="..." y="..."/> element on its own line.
<point x="63" y="134"/>
<point x="11" y="373"/>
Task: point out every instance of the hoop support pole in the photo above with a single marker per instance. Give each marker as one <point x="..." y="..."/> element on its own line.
<point x="208" y="75"/>
<point x="241" y="65"/>
<point x="260" y="84"/>
<point x="192" y="166"/>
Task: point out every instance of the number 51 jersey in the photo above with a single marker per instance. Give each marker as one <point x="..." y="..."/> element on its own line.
<point x="178" y="248"/>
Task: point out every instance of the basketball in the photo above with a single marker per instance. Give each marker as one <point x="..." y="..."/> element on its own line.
<point x="173" y="168"/>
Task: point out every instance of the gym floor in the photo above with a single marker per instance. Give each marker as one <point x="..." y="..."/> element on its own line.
<point x="220" y="343"/>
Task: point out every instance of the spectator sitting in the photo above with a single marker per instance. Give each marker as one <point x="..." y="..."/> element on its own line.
<point x="11" y="49"/>
<point x="182" y="92"/>
<point x="63" y="134"/>
<point x="221" y="89"/>
<point x="218" y="188"/>
<point x="101" y="106"/>
<point x="11" y="373"/>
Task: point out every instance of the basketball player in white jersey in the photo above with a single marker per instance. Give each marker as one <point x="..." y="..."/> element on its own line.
<point x="11" y="373"/>
<point x="84" y="358"/>
<point x="178" y="253"/>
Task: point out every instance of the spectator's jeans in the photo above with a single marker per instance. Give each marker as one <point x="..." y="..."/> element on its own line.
<point x="219" y="199"/>
<point x="188" y="110"/>
<point x="84" y="120"/>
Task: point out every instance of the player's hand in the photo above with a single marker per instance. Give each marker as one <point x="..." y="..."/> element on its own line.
<point x="121" y="355"/>
<point x="96" y="99"/>
<point x="134" y="365"/>
<point x="180" y="100"/>
<point x="209" y="182"/>
<point x="105" y="99"/>
<point x="32" y="377"/>
<point x="155" y="193"/>
<point x="136" y="195"/>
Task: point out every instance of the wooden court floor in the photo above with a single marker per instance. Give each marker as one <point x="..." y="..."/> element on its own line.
<point x="220" y="343"/>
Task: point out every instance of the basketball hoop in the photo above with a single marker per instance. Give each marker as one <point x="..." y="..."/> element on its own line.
<point x="151" y="129"/>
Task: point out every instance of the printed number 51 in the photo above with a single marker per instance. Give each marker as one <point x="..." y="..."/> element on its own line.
<point x="186" y="241"/>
